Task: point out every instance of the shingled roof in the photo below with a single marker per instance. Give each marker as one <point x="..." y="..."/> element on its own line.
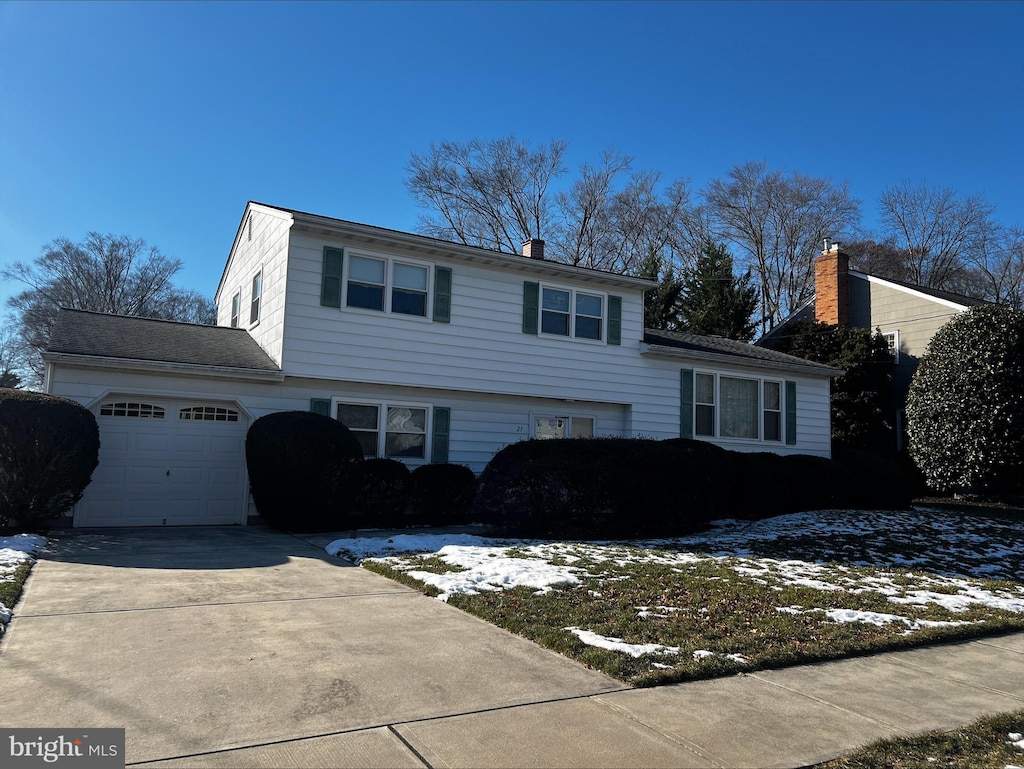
<point x="97" y="334"/>
<point x="720" y="348"/>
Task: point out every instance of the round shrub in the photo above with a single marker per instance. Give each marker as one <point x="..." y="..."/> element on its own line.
<point x="442" y="494"/>
<point x="304" y="471"/>
<point x="383" y="493"/>
<point x="965" y="408"/>
<point x="876" y="482"/>
<point x="592" y="488"/>
<point x="762" y="485"/>
<point x="49" y="447"/>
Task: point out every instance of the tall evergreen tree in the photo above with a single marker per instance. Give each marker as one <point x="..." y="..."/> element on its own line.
<point x="661" y="304"/>
<point x="715" y="301"/>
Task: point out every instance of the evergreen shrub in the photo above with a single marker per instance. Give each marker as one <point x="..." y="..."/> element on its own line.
<point x="442" y="494"/>
<point x="965" y="408"/>
<point x="304" y="471"/>
<point x="383" y="494"/>
<point x="49" y="447"/>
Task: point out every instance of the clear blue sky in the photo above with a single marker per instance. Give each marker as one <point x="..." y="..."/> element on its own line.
<point x="160" y="120"/>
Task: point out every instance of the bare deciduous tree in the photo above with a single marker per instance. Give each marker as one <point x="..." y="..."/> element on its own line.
<point x="779" y="223"/>
<point x="492" y="194"/>
<point x="500" y="193"/>
<point x="11" y="355"/>
<point x="940" y="231"/>
<point x="103" y="273"/>
<point x="999" y="265"/>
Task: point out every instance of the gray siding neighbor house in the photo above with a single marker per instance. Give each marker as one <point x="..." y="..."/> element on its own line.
<point x="907" y="315"/>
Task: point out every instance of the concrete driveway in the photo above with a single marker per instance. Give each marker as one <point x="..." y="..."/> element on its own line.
<point x="244" y="647"/>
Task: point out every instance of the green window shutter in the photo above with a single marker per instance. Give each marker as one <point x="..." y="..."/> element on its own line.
<point x="790" y="413"/>
<point x="330" y="281"/>
<point x="320" y="406"/>
<point x="442" y="426"/>
<point x="531" y="306"/>
<point x="686" y="403"/>
<point x="614" y="320"/>
<point x="442" y="295"/>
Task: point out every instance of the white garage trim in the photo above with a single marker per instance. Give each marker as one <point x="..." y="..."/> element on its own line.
<point x="167" y="461"/>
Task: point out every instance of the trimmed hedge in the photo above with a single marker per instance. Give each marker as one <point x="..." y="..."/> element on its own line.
<point x="442" y="494"/>
<point x="383" y="494"/>
<point x="624" y="488"/>
<point x="304" y="471"/>
<point x="49" y="447"/>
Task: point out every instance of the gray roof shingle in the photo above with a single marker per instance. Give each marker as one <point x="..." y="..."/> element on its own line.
<point x="80" y="332"/>
<point x="719" y="345"/>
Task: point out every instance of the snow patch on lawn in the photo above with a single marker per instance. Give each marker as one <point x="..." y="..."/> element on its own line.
<point x="14" y="551"/>
<point x="618" y="645"/>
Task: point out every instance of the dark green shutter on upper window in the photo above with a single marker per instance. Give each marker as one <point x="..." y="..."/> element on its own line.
<point x="686" y="403"/>
<point x="790" y="413"/>
<point x="614" y="320"/>
<point x="442" y="427"/>
<point x="531" y="306"/>
<point x="320" y="406"/>
<point x="330" y="281"/>
<point x="442" y="295"/>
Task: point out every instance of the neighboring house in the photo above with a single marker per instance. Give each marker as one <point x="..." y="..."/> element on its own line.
<point x="905" y="314"/>
<point x="428" y="351"/>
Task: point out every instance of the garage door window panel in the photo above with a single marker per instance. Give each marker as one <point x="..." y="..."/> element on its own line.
<point x="131" y="409"/>
<point x="207" y="414"/>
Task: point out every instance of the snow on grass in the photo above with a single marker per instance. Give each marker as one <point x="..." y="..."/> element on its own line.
<point x="876" y="618"/>
<point x="618" y="645"/>
<point x="14" y="551"/>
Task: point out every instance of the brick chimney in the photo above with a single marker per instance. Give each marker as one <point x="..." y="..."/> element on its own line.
<point x="533" y="249"/>
<point x="832" y="286"/>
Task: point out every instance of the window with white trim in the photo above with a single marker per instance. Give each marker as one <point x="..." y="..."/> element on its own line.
<point x="737" y="407"/>
<point x="395" y="431"/>
<point x="892" y="341"/>
<point x="236" y="307"/>
<point x="130" y="409"/>
<point x="568" y="312"/>
<point x="387" y="285"/>
<point x="257" y="295"/>
<point x="547" y="427"/>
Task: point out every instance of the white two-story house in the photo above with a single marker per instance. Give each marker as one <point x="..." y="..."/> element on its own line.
<point x="429" y="351"/>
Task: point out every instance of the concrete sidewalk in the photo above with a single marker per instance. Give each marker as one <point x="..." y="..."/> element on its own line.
<point x="243" y="647"/>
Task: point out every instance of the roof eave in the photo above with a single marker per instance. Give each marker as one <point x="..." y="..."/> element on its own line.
<point x="811" y="369"/>
<point x="164" y="367"/>
<point x="369" y="234"/>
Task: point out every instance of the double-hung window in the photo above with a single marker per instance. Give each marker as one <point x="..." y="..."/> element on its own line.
<point x="387" y="285"/>
<point x="567" y="312"/>
<point x="236" y="307"/>
<point x="389" y="430"/>
<point x="257" y="294"/>
<point x="737" y="407"/>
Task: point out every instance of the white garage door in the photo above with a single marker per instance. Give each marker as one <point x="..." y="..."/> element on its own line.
<point x="166" y="463"/>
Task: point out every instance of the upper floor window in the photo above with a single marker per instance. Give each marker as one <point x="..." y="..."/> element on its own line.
<point x="257" y="293"/>
<point x="737" y="407"/>
<point x="236" y="306"/>
<point x="892" y="340"/>
<point x="567" y="312"/>
<point x="376" y="284"/>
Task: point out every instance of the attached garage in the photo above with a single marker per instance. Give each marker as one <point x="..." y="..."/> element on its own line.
<point x="167" y="463"/>
<point x="168" y="401"/>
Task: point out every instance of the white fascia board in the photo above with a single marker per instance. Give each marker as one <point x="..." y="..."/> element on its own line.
<point x="163" y="367"/>
<point x="809" y="369"/>
<point x="911" y="291"/>
<point x="370" y="235"/>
